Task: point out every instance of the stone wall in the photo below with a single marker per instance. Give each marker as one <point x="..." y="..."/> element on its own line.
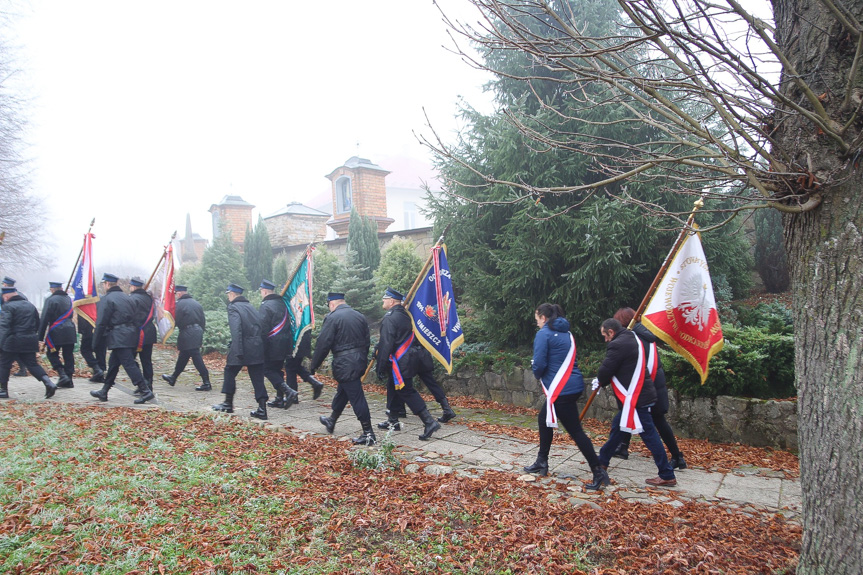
<point x="422" y="237"/>
<point x="757" y="422"/>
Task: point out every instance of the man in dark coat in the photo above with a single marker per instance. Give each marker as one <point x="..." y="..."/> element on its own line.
<point x="145" y="312"/>
<point x="95" y="358"/>
<point x="278" y="341"/>
<point x="58" y="332"/>
<point x="346" y="333"/>
<point x="394" y="357"/>
<point x="294" y="366"/>
<point x="10" y="282"/>
<point x="190" y="320"/>
<point x="425" y="371"/>
<point x="247" y="349"/>
<point x="116" y="329"/>
<point x="625" y="365"/>
<point x="19" y="340"/>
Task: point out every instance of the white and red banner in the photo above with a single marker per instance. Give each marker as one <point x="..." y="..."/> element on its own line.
<point x="166" y="305"/>
<point x="682" y="311"/>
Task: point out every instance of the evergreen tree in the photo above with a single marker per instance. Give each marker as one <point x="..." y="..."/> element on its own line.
<point x="327" y="270"/>
<point x="363" y="240"/>
<point x="220" y="265"/>
<point x="771" y="259"/>
<point x="258" y="254"/>
<point x="280" y="271"/>
<point x="400" y="266"/>
<point x="360" y="293"/>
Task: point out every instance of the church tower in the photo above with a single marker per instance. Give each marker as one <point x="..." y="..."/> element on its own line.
<point x="358" y="184"/>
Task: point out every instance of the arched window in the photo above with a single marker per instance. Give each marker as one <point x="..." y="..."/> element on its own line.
<point x="343" y="195"/>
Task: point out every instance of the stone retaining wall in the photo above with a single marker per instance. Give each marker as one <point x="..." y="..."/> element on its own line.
<point x="757" y="422"/>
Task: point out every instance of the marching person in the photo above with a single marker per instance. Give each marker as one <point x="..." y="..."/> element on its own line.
<point x="19" y="340"/>
<point x="345" y="332"/>
<point x="278" y="341"/>
<point x="555" y="365"/>
<point x="247" y="349"/>
<point x="95" y="358"/>
<point x="294" y="367"/>
<point x="425" y="371"/>
<point x="190" y="320"/>
<point x="145" y="312"/>
<point x="625" y="367"/>
<point x="657" y="374"/>
<point x="59" y="334"/>
<point x="116" y="329"/>
<point x="10" y="282"/>
<point x="393" y="361"/>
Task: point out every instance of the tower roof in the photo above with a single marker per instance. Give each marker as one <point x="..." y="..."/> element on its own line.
<point x="298" y="209"/>
<point x="232" y="201"/>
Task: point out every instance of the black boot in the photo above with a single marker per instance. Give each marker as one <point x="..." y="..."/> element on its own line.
<point x="622" y="451"/>
<point x="98" y="375"/>
<point x="205" y="386"/>
<point x="4" y="391"/>
<point x="101" y="394"/>
<point x="540" y="466"/>
<point x="400" y="414"/>
<point x="430" y="424"/>
<point x="317" y="386"/>
<point x="226" y="406"/>
<point x="278" y="402"/>
<point x="21" y="372"/>
<point x="329" y="422"/>
<point x="393" y="424"/>
<point x="65" y="381"/>
<point x="368" y="436"/>
<point x="261" y="412"/>
<point x="678" y="462"/>
<point x="448" y="413"/>
<point x="50" y="388"/>
<point x="145" y="393"/>
<point x="169" y="379"/>
<point x="291" y="396"/>
<point x="600" y="478"/>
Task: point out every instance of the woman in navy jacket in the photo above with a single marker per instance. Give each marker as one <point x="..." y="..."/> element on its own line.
<point x="551" y="360"/>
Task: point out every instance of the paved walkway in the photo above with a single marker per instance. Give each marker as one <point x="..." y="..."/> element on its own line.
<point x="458" y="449"/>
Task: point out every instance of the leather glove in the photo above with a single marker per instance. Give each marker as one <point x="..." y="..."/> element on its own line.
<point x="594" y="385"/>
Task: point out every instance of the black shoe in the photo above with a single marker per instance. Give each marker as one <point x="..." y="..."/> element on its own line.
<point x="50" y="388"/>
<point x="65" y="382"/>
<point x="622" y="452"/>
<point x="169" y="379"/>
<point x="448" y="415"/>
<point x="317" y="387"/>
<point x="204" y="387"/>
<point x="389" y="424"/>
<point x="600" y="478"/>
<point x="4" y="394"/>
<point x="21" y="372"/>
<point x="98" y="376"/>
<point x="291" y="397"/>
<point x="224" y="407"/>
<point x="261" y="412"/>
<point x="678" y="462"/>
<point x="146" y="396"/>
<point x="328" y="422"/>
<point x="540" y="467"/>
<point x="367" y="437"/>
<point x="100" y="394"/>
<point x="278" y="402"/>
<point x="430" y="424"/>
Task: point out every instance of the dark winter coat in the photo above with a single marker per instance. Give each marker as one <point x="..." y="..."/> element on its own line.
<point x="274" y="313"/>
<point x="56" y="306"/>
<point x="648" y="337"/>
<point x="345" y="332"/>
<point x="550" y="348"/>
<point x="621" y="357"/>
<point x="247" y="347"/>
<point x="144" y="309"/>
<point x="396" y="328"/>
<point x="116" y="322"/>
<point x="19" y="326"/>
<point x="190" y="320"/>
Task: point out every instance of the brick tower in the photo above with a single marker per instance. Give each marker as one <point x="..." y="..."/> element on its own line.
<point x="358" y="184"/>
<point x="232" y="215"/>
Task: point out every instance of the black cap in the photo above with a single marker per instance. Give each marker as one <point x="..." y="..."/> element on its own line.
<point x="234" y="288"/>
<point x="393" y="294"/>
<point x="267" y="284"/>
<point x="106" y="277"/>
<point x="334" y="296"/>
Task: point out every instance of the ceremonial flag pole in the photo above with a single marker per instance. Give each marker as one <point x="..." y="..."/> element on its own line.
<point x="78" y="259"/>
<point x="83" y="281"/>
<point x="161" y="259"/>
<point x="297" y="295"/>
<point x="699" y="203"/>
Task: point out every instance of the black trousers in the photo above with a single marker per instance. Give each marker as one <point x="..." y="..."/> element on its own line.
<point x="352" y="391"/>
<point x="92" y="356"/>
<point x="408" y="395"/>
<point x="395" y="403"/>
<point x="294" y="367"/>
<point x="273" y="372"/>
<point x="124" y="356"/>
<point x="146" y="357"/>
<point x="67" y="364"/>
<point x="198" y="361"/>
<point x="665" y="432"/>
<point x="256" y="373"/>
<point x="566" y="409"/>
<point x="28" y="360"/>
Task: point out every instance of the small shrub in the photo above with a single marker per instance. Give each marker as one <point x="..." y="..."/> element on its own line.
<point x="379" y="458"/>
<point x="217" y="335"/>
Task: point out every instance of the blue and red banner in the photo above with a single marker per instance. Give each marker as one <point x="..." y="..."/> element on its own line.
<point x="84" y="294"/>
<point x="432" y="308"/>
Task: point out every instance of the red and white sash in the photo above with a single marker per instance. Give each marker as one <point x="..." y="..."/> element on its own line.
<point x="628" y="395"/>
<point x="557" y="384"/>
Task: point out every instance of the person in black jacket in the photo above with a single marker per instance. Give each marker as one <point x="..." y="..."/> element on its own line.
<point x="95" y="358"/>
<point x="19" y="340"/>
<point x="425" y="371"/>
<point x="116" y="328"/>
<point x="190" y="320"/>
<point x="10" y="282"/>
<point x="58" y="332"/>
<point x="393" y="361"/>
<point x="346" y="333"/>
<point x="625" y="364"/>
<point x="247" y="349"/>
<point x="145" y="312"/>
<point x="294" y="367"/>
<point x="278" y="341"/>
<point x="624" y="315"/>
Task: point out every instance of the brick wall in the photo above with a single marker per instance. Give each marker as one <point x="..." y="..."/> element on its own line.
<point x="293" y="229"/>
